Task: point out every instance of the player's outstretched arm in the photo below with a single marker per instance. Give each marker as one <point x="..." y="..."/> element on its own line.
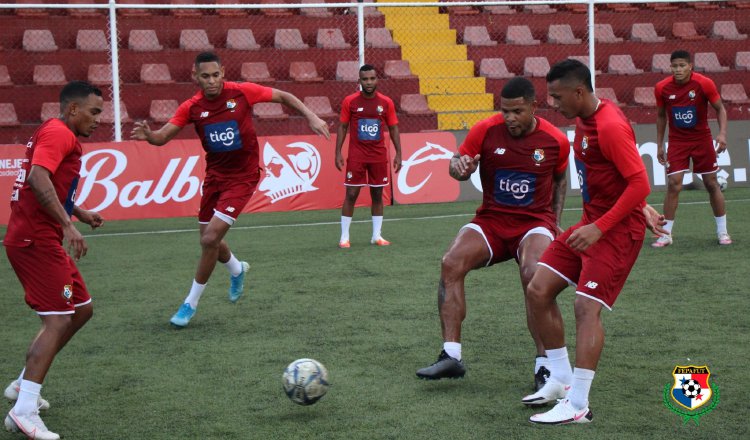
<point x="317" y="125"/>
<point x="142" y="132"/>
<point x="461" y="167"/>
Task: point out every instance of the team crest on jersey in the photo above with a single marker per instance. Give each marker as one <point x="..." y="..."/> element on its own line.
<point x="380" y="109"/>
<point x="291" y="172"/>
<point x="231" y="104"/>
<point x="584" y="144"/>
<point x="67" y="292"/>
<point x="538" y="156"/>
<point x="691" y="94"/>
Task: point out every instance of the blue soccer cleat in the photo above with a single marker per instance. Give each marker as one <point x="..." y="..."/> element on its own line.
<point x="183" y="316"/>
<point x="237" y="284"/>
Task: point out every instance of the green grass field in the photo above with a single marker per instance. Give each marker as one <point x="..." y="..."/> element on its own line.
<point x="370" y="315"/>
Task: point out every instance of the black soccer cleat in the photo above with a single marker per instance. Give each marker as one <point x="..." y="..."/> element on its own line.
<point x="446" y="367"/>
<point x="540" y="378"/>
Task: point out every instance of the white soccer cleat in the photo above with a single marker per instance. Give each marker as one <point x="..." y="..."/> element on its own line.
<point x="12" y="390"/>
<point x="562" y="414"/>
<point x="662" y="241"/>
<point x="31" y="425"/>
<point x="724" y="239"/>
<point x="550" y="392"/>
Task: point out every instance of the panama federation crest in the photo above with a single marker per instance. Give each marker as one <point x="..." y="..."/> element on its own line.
<point x="691" y="396"/>
<point x="538" y="156"/>
<point x="67" y="292"/>
<point x="691" y="94"/>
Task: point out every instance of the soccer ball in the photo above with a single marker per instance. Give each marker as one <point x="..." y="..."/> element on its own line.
<point x="305" y="381"/>
<point x="691" y="388"/>
<point x="722" y="182"/>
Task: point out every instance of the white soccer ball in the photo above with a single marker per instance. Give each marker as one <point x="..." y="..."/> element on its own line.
<point x="722" y="182"/>
<point x="305" y="381"/>
<point x="691" y="388"/>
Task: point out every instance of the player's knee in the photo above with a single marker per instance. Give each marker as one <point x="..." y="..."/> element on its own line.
<point x="452" y="268"/>
<point x="674" y="185"/>
<point x="527" y="273"/>
<point x="587" y="310"/>
<point x="535" y="292"/>
<point x="210" y="240"/>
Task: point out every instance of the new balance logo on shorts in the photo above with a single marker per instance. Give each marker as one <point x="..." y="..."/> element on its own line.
<point x="591" y="285"/>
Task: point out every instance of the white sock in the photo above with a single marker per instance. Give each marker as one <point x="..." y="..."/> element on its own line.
<point x="377" y="225"/>
<point x="721" y="224"/>
<point x="28" y="398"/>
<point x="234" y="265"/>
<point x="345" y="223"/>
<point x="20" y="378"/>
<point x="541" y="361"/>
<point x="195" y="294"/>
<point x="579" y="390"/>
<point x="668" y="226"/>
<point x="559" y="365"/>
<point x="453" y="349"/>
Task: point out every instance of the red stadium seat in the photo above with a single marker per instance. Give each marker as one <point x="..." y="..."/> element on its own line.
<point x="29" y="12"/>
<point x="289" y="39"/>
<point x="241" y="39"/>
<point x="726" y="30"/>
<point x="742" y="61"/>
<point x="398" y="69"/>
<point x="320" y="105"/>
<point x="156" y="74"/>
<point x="536" y="66"/>
<point x="463" y="10"/>
<point x="316" y="12"/>
<point x="331" y="38"/>
<point x="230" y="12"/>
<point x="275" y="12"/>
<point x="499" y="9"/>
<point x="379" y="38"/>
<point x="49" y="75"/>
<point x="49" y="110"/>
<point x="585" y="60"/>
<point x="660" y="62"/>
<point x="304" y="71"/>
<point x="194" y="39"/>
<point x="133" y="12"/>
<point x="255" y="72"/>
<point x="521" y="35"/>
<point x="108" y="113"/>
<point x="734" y="94"/>
<point x="269" y="110"/>
<point x="5" y="80"/>
<point x="644" y="96"/>
<point x="368" y="12"/>
<point x="645" y="33"/>
<point x="477" y="36"/>
<point x="708" y="62"/>
<point x="622" y="65"/>
<point x="663" y="7"/>
<point x="144" y="41"/>
<point x="494" y="68"/>
<point x="92" y="40"/>
<point x="8" y="116"/>
<point x="100" y="74"/>
<point x="608" y="93"/>
<point x="162" y="110"/>
<point x="188" y="12"/>
<point x="38" y="40"/>
<point x="603" y="33"/>
<point x="86" y="12"/>
<point x="561" y="34"/>
<point x="415" y="104"/>
<point x="539" y="9"/>
<point x="347" y="71"/>
<point x="685" y="30"/>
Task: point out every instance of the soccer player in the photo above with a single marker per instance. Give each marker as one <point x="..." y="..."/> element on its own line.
<point x="364" y="114"/>
<point x="683" y="99"/>
<point x="42" y="202"/>
<point x="522" y="160"/>
<point x="222" y="114"/>
<point x="596" y="254"/>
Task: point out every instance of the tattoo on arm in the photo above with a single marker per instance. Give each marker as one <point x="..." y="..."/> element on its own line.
<point x="441" y="294"/>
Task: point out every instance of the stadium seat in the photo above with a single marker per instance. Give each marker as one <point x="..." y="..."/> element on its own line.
<point x="320" y="105"/>
<point x="415" y="104"/>
<point x="608" y="93"/>
<point x="144" y="41"/>
<point x="539" y="9"/>
<point x="463" y="10"/>
<point x="536" y="66"/>
<point x="315" y="12"/>
<point x="603" y="33"/>
<point x="269" y="110"/>
<point x="742" y="61"/>
<point x="274" y="12"/>
<point x="742" y="4"/>
<point x="708" y="62"/>
<point x="49" y="110"/>
<point x="162" y="110"/>
<point x="108" y="113"/>
<point x="49" y="75"/>
<point x="398" y="69"/>
<point x="156" y="74"/>
<point x="367" y="12"/>
<point x="92" y="40"/>
<point x="622" y="7"/>
<point x="347" y="71"/>
<point x="685" y="30"/>
<point x="100" y="74"/>
<point x="644" y="96"/>
<point x="622" y="65"/>
<point x="379" y="38"/>
<point x="241" y="39"/>
<point x="477" y="36"/>
<point x="494" y="68"/>
<point x="726" y="30"/>
<point x="660" y="62"/>
<point x="734" y="93"/>
<point x="663" y="7"/>
<point x="222" y="12"/>
<point x="8" y="116"/>
<point x="194" y="39"/>
<point x="187" y="12"/>
<point x="520" y="35"/>
<point x="499" y="9"/>
<point x="133" y="12"/>
<point x="85" y="12"/>
<point x="703" y="6"/>
<point x="577" y="8"/>
<point x="289" y="39"/>
<point x="5" y="80"/>
<point x="331" y="38"/>
<point x="304" y="71"/>
<point x="38" y="40"/>
<point x="645" y="33"/>
<point x="255" y="72"/>
<point x="561" y="34"/>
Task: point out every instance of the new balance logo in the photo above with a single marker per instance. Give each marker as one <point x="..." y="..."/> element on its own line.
<point x="230" y="209"/>
<point x="360" y="109"/>
<point x="672" y="96"/>
<point x="204" y="114"/>
<point x="592" y="285"/>
<point x="500" y="151"/>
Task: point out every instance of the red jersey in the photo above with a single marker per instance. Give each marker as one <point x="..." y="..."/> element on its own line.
<point x="686" y="106"/>
<point x="54" y="147"/>
<point x="366" y="118"/>
<point x="606" y="156"/>
<point x="225" y="128"/>
<point x="517" y="173"/>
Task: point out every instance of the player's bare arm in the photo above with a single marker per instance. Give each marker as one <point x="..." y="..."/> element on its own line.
<point x="661" y="127"/>
<point x="461" y="167"/>
<point x="559" y="188"/>
<point x="721" y="118"/>
<point x="340" y="136"/>
<point x="91" y="218"/>
<point x="317" y="125"/>
<point x="142" y="132"/>
<point x="396" y="139"/>
<point x="44" y="191"/>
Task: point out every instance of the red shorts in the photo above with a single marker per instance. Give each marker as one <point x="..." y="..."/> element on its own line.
<point x="504" y="233"/>
<point x="50" y="278"/>
<point x="225" y="198"/>
<point x="701" y="152"/>
<point x="370" y="174"/>
<point x="598" y="273"/>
